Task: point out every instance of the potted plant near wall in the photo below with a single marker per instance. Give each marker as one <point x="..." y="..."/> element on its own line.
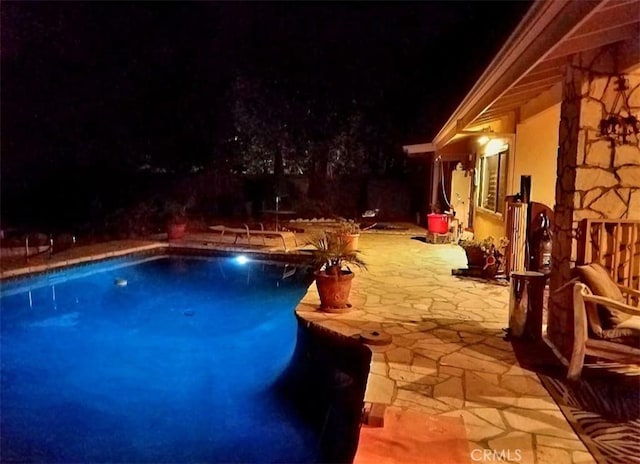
<point x="349" y="232"/>
<point x="333" y="255"/>
<point x="486" y="255"/>
<point x="175" y="219"/>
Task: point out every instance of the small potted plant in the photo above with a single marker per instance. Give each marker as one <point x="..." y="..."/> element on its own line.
<point x="175" y="219"/>
<point x="485" y="254"/>
<point x="333" y="278"/>
<point x="348" y="231"/>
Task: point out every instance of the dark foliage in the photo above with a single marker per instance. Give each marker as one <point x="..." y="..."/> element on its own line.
<point x="102" y="93"/>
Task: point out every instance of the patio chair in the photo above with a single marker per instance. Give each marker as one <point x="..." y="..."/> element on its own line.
<point x="245" y="231"/>
<point x="606" y="323"/>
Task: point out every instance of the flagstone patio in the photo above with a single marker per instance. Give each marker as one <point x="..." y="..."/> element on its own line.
<point x="447" y="356"/>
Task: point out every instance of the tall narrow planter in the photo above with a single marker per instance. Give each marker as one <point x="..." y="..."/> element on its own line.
<point x="334" y="290"/>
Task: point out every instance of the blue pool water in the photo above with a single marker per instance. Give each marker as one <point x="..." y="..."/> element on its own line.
<point x="181" y="364"/>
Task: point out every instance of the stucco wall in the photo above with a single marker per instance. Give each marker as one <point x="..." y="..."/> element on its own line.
<point x="536" y="154"/>
<point x="487" y="224"/>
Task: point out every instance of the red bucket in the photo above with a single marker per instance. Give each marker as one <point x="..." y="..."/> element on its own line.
<point x="438" y="223"/>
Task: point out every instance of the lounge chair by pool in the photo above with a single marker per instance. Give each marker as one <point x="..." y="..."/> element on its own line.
<point x="246" y="232"/>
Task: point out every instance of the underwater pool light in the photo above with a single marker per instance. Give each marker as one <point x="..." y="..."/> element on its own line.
<point x="242" y="259"/>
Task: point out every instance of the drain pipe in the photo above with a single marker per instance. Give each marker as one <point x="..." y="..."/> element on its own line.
<point x="26" y="248"/>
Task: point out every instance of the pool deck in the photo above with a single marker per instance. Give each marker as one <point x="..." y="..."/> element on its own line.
<point x="447" y="368"/>
<point x="447" y="358"/>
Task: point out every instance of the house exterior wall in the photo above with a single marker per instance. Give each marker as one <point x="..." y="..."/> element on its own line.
<point x="487" y="224"/>
<point x="536" y="154"/>
<point x="595" y="179"/>
<point x="533" y="151"/>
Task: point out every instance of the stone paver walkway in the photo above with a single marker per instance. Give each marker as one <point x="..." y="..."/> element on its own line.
<point x="447" y="356"/>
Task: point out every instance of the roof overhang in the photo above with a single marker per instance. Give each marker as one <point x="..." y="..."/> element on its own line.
<point x="418" y="149"/>
<point x="535" y="56"/>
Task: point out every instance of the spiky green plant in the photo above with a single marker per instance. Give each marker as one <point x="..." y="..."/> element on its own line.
<point x="332" y="253"/>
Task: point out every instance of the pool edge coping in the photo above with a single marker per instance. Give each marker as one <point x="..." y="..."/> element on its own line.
<point x="52" y="265"/>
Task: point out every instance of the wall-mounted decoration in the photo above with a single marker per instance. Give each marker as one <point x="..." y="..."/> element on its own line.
<point x="619" y="125"/>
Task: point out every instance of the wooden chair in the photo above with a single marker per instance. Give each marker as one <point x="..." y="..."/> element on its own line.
<point x="618" y="344"/>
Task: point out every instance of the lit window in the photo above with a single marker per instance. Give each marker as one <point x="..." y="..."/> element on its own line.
<point x="493" y="181"/>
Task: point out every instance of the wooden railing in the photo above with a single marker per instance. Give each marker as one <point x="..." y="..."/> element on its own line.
<point x="614" y="243"/>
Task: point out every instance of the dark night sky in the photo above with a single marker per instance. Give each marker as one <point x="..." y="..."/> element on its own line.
<point x="86" y="84"/>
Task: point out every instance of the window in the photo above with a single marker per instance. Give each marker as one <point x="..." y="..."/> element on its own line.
<point x="493" y="181"/>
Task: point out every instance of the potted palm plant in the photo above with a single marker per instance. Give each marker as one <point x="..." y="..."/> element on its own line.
<point x="333" y="254"/>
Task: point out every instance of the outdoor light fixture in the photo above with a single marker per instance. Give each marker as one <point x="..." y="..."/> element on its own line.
<point x="483" y="140"/>
<point x="241" y="259"/>
<point x="495" y="146"/>
<point x="619" y="124"/>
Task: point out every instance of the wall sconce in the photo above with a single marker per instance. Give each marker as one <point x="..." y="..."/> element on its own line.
<point x="619" y="124"/>
<point x="495" y="146"/>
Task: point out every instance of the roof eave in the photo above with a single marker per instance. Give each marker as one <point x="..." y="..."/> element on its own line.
<point x="418" y="149"/>
<point x="542" y="28"/>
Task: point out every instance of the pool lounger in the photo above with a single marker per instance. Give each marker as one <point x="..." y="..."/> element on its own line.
<point x="248" y="233"/>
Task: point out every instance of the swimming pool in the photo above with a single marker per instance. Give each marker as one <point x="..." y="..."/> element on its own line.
<point x="161" y="359"/>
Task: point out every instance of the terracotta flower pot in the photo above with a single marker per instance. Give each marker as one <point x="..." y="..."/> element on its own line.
<point x="334" y="290"/>
<point x="351" y="241"/>
<point x="176" y="231"/>
<point x="475" y="256"/>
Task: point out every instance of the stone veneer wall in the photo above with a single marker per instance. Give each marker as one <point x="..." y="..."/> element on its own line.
<point x="595" y="179"/>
